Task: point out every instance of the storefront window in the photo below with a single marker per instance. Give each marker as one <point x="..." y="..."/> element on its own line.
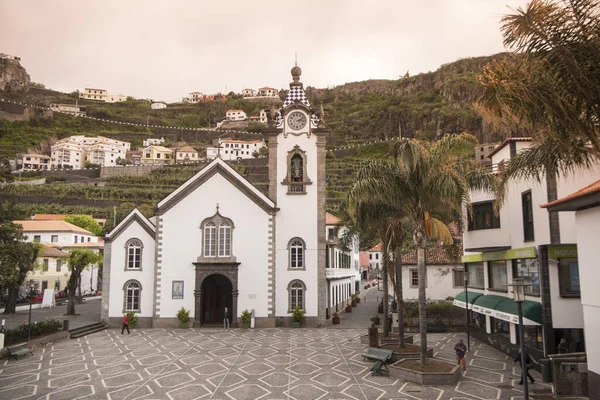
<point x="533" y="336"/>
<point x="478" y="320"/>
<point x="497" y="275"/>
<point x="568" y="276"/>
<point x="500" y="327"/>
<point x="527" y="268"/>
<point x="475" y="273"/>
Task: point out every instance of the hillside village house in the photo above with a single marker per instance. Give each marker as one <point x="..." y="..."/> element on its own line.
<point x="217" y="241"/>
<point x="154" y="154"/>
<point x="151" y="141"/>
<point x="53" y="231"/>
<point x="342" y="271"/>
<point x="101" y="95"/>
<point x="522" y="241"/>
<point x="72" y="152"/>
<point x="32" y="162"/>
<point x="235" y="115"/>
<point x="58" y="217"/>
<point x="585" y="203"/>
<point x="193" y="97"/>
<point x="233" y="149"/>
<point x="158" y="106"/>
<point x="268" y="92"/>
<point x="186" y="154"/>
<point x="73" y="109"/>
<point x="249" y="92"/>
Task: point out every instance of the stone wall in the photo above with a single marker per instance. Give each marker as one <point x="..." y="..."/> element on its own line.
<point x="128" y="170"/>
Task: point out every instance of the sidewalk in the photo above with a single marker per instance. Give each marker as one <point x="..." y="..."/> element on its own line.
<point x="89" y="312"/>
<point x="360" y="317"/>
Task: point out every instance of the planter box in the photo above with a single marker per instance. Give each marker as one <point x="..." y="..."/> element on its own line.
<point x="245" y="325"/>
<point x="400" y="356"/>
<point x="295" y="324"/>
<point x="335" y="320"/>
<point x="348" y="308"/>
<point x="425" y="378"/>
<point x="183" y="325"/>
<point x="358" y="299"/>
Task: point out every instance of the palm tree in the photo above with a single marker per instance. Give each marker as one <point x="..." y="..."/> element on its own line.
<point x="552" y="88"/>
<point x="424" y="180"/>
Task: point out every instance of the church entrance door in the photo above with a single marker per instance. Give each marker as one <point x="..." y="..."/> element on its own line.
<point x="217" y="293"/>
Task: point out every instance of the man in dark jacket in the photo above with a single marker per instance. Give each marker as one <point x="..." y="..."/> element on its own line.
<point x="528" y="364"/>
<point x="461" y="349"/>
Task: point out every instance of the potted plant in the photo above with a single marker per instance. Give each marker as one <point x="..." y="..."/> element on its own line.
<point x="184" y="317"/>
<point x="357" y="296"/>
<point x="353" y="302"/>
<point x="132" y="319"/>
<point x="348" y="307"/>
<point x="297" y="316"/>
<point x="246" y="317"/>
<point x="375" y="320"/>
<point x="335" y="320"/>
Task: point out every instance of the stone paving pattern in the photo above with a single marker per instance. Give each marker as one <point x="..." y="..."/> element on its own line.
<point x="241" y="364"/>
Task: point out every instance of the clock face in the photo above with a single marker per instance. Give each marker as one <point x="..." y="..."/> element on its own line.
<point x="297" y="120"/>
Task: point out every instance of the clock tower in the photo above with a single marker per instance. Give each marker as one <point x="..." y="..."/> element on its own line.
<point x="296" y="141"/>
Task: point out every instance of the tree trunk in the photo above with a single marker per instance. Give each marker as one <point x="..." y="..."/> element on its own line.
<point x="11" y="301"/>
<point x="399" y="294"/>
<point x="72" y="286"/>
<point x="385" y="262"/>
<point x="422" y="303"/>
<point x="79" y="298"/>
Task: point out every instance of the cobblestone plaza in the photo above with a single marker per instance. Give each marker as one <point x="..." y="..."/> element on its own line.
<point x="241" y="364"/>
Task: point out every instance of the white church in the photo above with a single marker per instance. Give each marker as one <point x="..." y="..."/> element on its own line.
<point x="217" y="241"/>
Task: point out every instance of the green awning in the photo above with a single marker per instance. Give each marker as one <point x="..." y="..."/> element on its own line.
<point x="462" y="296"/>
<point x="532" y="310"/>
<point x="489" y="301"/>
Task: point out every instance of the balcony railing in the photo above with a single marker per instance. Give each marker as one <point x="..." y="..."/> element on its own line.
<point x="338" y="272"/>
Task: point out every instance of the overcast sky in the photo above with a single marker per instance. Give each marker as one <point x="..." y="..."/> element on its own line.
<point x="166" y="49"/>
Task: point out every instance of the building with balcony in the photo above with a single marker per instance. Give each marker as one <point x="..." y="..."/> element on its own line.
<point x="524" y="241"/>
<point x="32" y="162"/>
<point x="68" y="155"/>
<point x="342" y="266"/>
<point x="73" y="109"/>
<point x="235" y="115"/>
<point x="186" y="154"/>
<point x="101" y="95"/>
<point x="157" y="155"/>
<point x="73" y="152"/>
<point x="249" y="92"/>
<point x="268" y="92"/>
<point x="585" y="204"/>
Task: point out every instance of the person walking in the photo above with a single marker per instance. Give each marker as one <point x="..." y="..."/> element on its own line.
<point x="461" y="349"/>
<point x="226" y="319"/>
<point x="125" y="324"/>
<point x="528" y="364"/>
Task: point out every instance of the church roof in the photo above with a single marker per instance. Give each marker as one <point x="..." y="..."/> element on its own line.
<point x="217" y="166"/>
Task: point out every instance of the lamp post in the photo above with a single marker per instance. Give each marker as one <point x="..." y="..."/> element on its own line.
<point x="519" y="297"/>
<point x="466" y="278"/>
<point x="29" y="325"/>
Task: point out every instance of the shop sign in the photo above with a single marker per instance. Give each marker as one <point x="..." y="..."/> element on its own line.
<point x="562" y="252"/>
<point x="513" y="254"/>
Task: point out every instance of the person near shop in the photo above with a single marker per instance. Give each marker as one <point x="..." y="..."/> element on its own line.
<point x="528" y="364"/>
<point x="461" y="349"/>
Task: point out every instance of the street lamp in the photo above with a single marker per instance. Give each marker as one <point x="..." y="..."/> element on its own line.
<point x="519" y="297"/>
<point x="466" y="278"/>
<point x="30" y="299"/>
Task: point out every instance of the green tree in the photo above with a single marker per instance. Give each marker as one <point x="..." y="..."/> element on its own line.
<point x="551" y="91"/>
<point x="147" y="210"/>
<point x="426" y="179"/>
<point x="17" y="258"/>
<point x="79" y="260"/>
<point x="85" y="222"/>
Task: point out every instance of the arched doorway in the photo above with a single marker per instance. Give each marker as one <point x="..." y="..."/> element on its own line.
<point x="217" y="293"/>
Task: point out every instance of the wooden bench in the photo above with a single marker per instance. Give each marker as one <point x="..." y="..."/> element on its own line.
<point x="19" y="350"/>
<point x="381" y="355"/>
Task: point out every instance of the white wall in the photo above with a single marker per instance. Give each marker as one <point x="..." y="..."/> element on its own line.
<point x="588" y="222"/>
<point x="567" y="313"/>
<point x="63" y="237"/>
<point x="118" y="274"/>
<point x="297" y="217"/>
<point x="439" y="282"/>
<point x="182" y="245"/>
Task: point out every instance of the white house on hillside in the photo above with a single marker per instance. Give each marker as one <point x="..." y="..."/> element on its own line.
<point x="522" y="241"/>
<point x="268" y="92"/>
<point x="73" y="151"/>
<point x="233" y="149"/>
<point x="32" y="162"/>
<point x="235" y="115"/>
<point x="101" y="95"/>
<point x="249" y="92"/>
<point x="158" y="106"/>
<point x="217" y="241"/>
<point x="186" y="154"/>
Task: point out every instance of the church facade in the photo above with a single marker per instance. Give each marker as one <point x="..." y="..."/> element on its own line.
<point x="217" y="241"/>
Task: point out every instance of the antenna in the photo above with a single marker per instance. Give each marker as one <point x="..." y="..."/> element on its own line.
<point x="296" y="58"/>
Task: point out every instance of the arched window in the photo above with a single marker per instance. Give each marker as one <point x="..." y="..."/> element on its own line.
<point x="296" y="177"/>
<point x="296" y="248"/>
<point x="297" y="291"/>
<point x="210" y="240"/>
<point x="224" y="239"/>
<point x="133" y="291"/>
<point x="134" y="255"/>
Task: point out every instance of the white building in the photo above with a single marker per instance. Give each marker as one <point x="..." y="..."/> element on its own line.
<point x="115" y="98"/>
<point x="194" y="97"/>
<point x="74" y="151"/>
<point x="69" y="109"/>
<point x="444" y="274"/>
<point x="218" y="241"/>
<point x="233" y="149"/>
<point x="93" y="94"/>
<point x="153" y="142"/>
<point x="586" y="205"/>
<point x="186" y="154"/>
<point x="249" y="92"/>
<point x="522" y="241"/>
<point x="235" y="115"/>
<point x="52" y="231"/>
<point x="342" y="269"/>
<point x="158" y="106"/>
<point x="32" y="162"/>
<point x="268" y="92"/>
<point x="375" y="261"/>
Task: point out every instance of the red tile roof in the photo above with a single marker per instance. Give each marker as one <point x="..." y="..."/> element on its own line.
<point x="507" y="141"/>
<point x="47" y="251"/>
<point x="331" y="219"/>
<point x="377" y="247"/>
<point x="434" y="255"/>
<point x="589" y="189"/>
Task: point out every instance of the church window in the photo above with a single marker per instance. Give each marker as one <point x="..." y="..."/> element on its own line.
<point x="224" y="239"/>
<point x="296" y="291"/>
<point x="210" y="240"/>
<point x="132" y="291"/>
<point x="296" y="178"/>
<point x="133" y="249"/>
<point x="296" y="249"/>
